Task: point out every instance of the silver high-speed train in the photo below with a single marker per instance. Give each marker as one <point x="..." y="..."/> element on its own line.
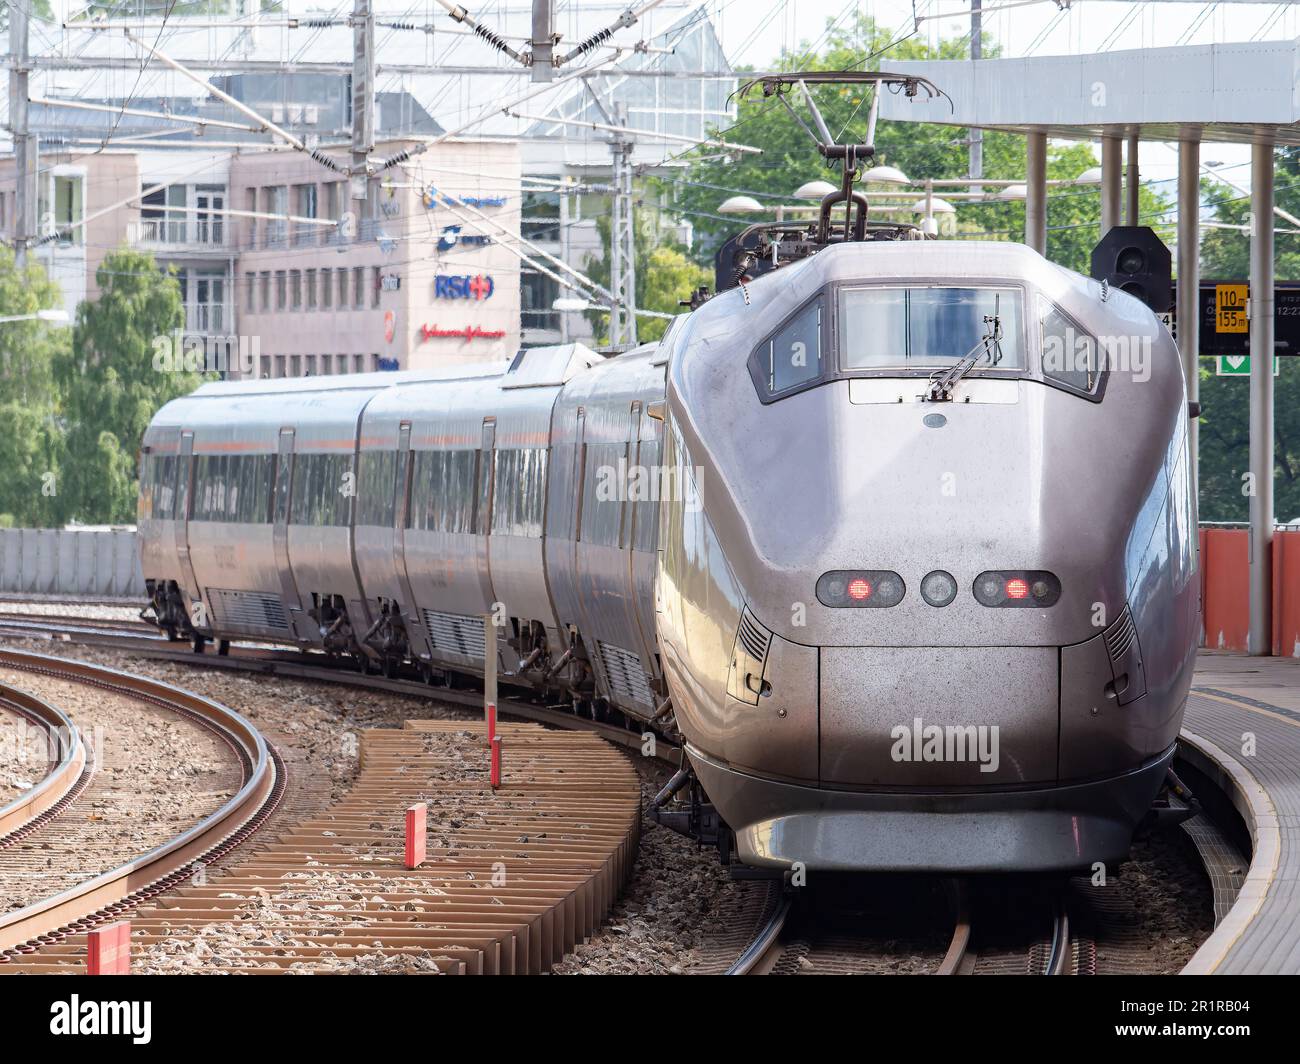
<point x="898" y="539"/>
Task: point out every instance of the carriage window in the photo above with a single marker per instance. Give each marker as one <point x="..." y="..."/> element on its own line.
<point x="519" y="499"/>
<point x="646" y="497"/>
<point x="322" y="491"/>
<point x="603" y="491"/>
<point x="922" y="328"/>
<point x="1070" y="355"/>
<point x="793" y="356"/>
<point x="377" y="488"/>
<point x="442" y="491"/>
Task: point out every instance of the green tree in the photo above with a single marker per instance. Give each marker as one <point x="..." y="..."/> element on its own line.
<point x="664" y="275"/>
<point x="1225" y="423"/>
<point x="30" y="437"/>
<point x="920" y="150"/>
<point x="117" y="374"/>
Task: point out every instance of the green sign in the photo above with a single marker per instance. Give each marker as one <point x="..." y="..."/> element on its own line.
<point x="1237" y="366"/>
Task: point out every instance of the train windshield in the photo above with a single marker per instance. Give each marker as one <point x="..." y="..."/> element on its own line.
<point x="924" y="327"/>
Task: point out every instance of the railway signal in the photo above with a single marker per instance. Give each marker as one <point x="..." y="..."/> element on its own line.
<point x="1134" y="259"/>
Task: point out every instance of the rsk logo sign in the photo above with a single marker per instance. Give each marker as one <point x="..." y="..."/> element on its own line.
<point x="478" y="287"/>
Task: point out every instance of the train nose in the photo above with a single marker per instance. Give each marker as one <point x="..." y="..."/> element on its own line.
<point x="938" y="716"/>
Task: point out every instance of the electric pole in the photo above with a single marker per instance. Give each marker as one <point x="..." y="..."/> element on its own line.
<point x="622" y="247"/>
<point x="363" y="95"/>
<point x="542" y="41"/>
<point x="976" y="52"/>
<point x="24" y="142"/>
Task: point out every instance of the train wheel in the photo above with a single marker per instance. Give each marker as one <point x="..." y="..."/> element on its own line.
<point x="198" y="643"/>
<point x="172" y="637"/>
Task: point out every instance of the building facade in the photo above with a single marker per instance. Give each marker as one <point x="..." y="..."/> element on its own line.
<point x="417" y="274"/>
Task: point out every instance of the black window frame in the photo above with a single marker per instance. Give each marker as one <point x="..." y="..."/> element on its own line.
<point x="1103" y="376"/>
<point x="832" y="363"/>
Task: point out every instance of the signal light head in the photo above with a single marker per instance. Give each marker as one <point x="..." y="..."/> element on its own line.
<point x="871" y="588"/>
<point x="1017" y="588"/>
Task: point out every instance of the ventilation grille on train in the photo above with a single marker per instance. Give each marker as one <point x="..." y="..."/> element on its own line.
<point x="752" y="637"/>
<point x="1120" y="637"/>
<point x="455" y="633"/>
<point x="626" y="677"/>
<point x="247" y="611"/>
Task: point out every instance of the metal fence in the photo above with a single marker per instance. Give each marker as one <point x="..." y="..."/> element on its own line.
<point x="84" y="563"/>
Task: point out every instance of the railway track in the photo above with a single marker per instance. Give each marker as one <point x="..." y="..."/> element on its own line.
<point x="65" y="772"/>
<point x="333" y="894"/>
<point x="758" y="938"/>
<point x="63" y="887"/>
<point x="513" y="878"/>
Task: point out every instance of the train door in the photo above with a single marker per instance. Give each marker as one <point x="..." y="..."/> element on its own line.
<point x="181" y="524"/>
<point x="642" y="479"/>
<point x="415" y="628"/>
<point x="299" y="622"/>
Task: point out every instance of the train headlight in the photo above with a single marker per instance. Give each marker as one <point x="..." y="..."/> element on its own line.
<point x="938" y="588"/>
<point x="874" y="588"/>
<point x="1016" y="588"/>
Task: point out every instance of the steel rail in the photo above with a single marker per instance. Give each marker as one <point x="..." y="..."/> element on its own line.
<point x="27" y="809"/>
<point x="764" y="942"/>
<point x="106" y="896"/>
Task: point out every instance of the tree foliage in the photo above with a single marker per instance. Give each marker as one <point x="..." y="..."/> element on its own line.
<point x="112" y="383"/>
<point x="1225" y="423"/>
<point x="30" y="436"/>
<point x="664" y="276"/>
<point x="921" y="150"/>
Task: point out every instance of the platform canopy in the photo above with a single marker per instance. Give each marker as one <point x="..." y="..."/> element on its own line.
<point x="1228" y="92"/>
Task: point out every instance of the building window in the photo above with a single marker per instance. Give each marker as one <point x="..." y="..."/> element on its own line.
<point x="333" y="211"/>
<point x="343" y="289"/>
<point x="305" y="207"/>
<point x="295" y="289"/>
<point x="250" y="204"/>
<point x="374" y="363"/>
<point x="326" y="365"/>
<point x="277" y="202"/>
<point x="310" y="280"/>
<point x="374" y="295"/>
<point x="295" y="365"/>
<point x="310" y="367"/>
<point x="250" y="292"/>
<point x="264" y="282"/>
<point x="341" y="361"/>
<point x="266" y="366"/>
<point x="327" y="288"/>
<point x="358" y="287"/>
<point x="279" y="365"/>
<point x="281" y="290"/>
<point x="209" y="216"/>
<point x="359" y="363"/>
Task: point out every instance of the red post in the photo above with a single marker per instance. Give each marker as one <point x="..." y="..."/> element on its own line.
<point x="417" y="819"/>
<point x="108" y="949"/>
<point x="496" y="762"/>
<point x="491" y="722"/>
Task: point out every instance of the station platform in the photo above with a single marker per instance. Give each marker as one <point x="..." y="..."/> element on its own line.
<point x="1242" y="726"/>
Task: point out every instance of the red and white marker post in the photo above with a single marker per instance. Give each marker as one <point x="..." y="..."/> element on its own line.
<point x="417" y="821"/>
<point x="108" y="949"/>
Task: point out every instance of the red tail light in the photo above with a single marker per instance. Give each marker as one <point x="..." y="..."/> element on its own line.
<point x="860" y="588"/>
<point x="1026" y="588"/>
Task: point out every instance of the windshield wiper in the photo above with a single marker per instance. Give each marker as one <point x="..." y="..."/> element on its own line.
<point x="990" y="346"/>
